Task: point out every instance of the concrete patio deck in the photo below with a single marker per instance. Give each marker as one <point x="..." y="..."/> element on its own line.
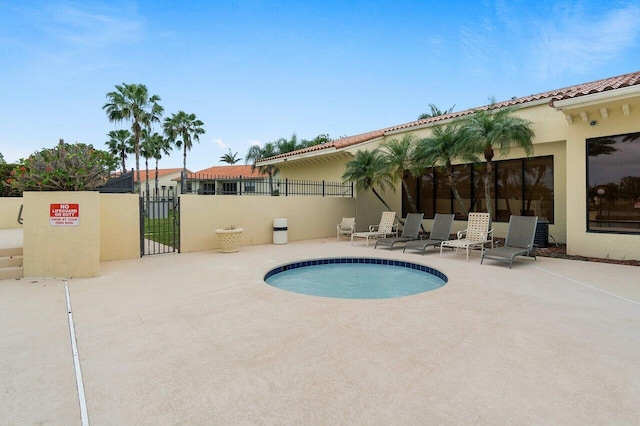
<point x="199" y="338"/>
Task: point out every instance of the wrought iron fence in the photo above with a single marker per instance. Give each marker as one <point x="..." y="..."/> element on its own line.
<point x="238" y="185"/>
<point x="118" y="183"/>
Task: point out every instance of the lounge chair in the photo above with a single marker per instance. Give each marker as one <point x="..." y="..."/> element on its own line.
<point x="476" y="235"/>
<point x="346" y="227"/>
<point x="410" y="231"/>
<point x="519" y="241"/>
<point x="386" y="228"/>
<point x="440" y="231"/>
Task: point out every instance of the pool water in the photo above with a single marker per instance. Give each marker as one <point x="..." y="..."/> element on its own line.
<point x="356" y="278"/>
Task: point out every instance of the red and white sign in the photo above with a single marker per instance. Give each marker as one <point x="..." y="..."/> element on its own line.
<point x="64" y="214"/>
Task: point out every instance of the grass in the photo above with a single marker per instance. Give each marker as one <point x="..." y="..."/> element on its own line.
<point x="164" y="231"/>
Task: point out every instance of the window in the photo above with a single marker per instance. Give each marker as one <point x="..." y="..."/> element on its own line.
<point x="613" y="183"/>
<point x="521" y="187"/>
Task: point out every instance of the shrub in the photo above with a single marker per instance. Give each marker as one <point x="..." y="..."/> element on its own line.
<point x="67" y="167"/>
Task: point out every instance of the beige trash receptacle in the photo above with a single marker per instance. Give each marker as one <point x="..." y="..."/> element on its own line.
<point x="280" y="231"/>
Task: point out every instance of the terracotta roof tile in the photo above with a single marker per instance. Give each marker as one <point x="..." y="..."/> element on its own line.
<point x="161" y="173"/>
<point x="229" y="171"/>
<point x="612" y="83"/>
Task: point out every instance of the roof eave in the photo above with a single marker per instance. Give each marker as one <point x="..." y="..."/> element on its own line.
<point x="596" y="98"/>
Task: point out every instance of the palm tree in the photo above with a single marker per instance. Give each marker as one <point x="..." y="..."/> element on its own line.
<point x="257" y="153"/>
<point x="147" y="151"/>
<point x="368" y="170"/>
<point x="403" y="164"/>
<point x="181" y="129"/>
<point x="230" y="158"/>
<point x="158" y="146"/>
<point x="440" y="149"/>
<point x="492" y="128"/>
<point x="435" y="112"/>
<point x="131" y="102"/>
<point x="120" y="144"/>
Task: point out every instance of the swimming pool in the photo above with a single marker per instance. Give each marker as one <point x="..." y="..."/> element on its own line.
<point x="356" y="278"/>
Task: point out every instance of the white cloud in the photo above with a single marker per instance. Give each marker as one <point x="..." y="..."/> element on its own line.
<point x="576" y="44"/>
<point x="221" y="145"/>
<point x="92" y="29"/>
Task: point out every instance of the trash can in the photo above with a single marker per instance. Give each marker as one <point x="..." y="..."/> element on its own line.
<point x="280" y="231"/>
<point x="542" y="233"/>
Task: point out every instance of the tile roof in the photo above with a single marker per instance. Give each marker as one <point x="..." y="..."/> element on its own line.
<point x="229" y="171"/>
<point x="161" y="173"/>
<point x="599" y="86"/>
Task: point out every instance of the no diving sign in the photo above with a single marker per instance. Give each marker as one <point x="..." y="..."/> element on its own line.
<point x="64" y="214"/>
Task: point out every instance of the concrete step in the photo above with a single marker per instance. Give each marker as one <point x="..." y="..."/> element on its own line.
<point x="11" y="263"/>
<point x="12" y="251"/>
<point x="11" y="273"/>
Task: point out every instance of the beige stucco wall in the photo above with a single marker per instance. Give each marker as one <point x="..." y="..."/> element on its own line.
<point x="9" y="209"/>
<point x="307" y="218"/>
<point x="61" y="251"/>
<point x="119" y="226"/>
<point x="579" y="241"/>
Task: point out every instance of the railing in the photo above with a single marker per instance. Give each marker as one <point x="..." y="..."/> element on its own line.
<point x="238" y="185"/>
<point x="120" y="183"/>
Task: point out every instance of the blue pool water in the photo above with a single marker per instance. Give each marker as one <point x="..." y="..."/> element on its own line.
<point x="355" y="278"/>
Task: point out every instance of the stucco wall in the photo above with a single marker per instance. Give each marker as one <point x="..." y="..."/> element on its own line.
<point x="9" y="209"/>
<point x="119" y="226"/>
<point x="579" y="241"/>
<point x="307" y="218"/>
<point x="61" y="251"/>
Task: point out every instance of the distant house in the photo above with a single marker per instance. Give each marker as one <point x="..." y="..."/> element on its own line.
<point x="223" y="180"/>
<point x="167" y="184"/>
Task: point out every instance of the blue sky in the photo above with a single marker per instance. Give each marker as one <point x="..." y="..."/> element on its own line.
<point x="255" y="71"/>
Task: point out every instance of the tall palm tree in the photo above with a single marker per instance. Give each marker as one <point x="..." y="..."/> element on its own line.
<point x="120" y="144"/>
<point x="440" y="149"/>
<point x="496" y="128"/>
<point x="147" y="151"/>
<point x="158" y="146"/>
<point x="403" y="163"/>
<point x="370" y="170"/>
<point x="131" y="102"/>
<point x="182" y="129"/>
<point x="257" y="153"/>
<point x="230" y="158"/>
<point x="435" y="112"/>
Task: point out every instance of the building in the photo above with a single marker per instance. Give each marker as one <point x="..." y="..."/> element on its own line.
<point x="167" y="185"/>
<point x="583" y="177"/>
<point x="225" y="180"/>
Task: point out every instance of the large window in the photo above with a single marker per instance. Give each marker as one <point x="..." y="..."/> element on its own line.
<point x="521" y="187"/>
<point x="613" y="188"/>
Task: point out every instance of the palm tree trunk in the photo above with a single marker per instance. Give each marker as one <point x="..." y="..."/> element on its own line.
<point x="456" y="194"/>
<point x="412" y="203"/>
<point x="385" y="204"/>
<point x="488" y="182"/>
<point x="156" y="177"/>
<point x="184" y="159"/>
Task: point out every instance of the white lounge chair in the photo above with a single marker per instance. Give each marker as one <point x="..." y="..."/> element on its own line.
<point x="519" y="242"/>
<point x="346" y="227"/>
<point x="386" y="228"/>
<point x="476" y="235"/>
<point x="410" y="231"/>
<point x="440" y="231"/>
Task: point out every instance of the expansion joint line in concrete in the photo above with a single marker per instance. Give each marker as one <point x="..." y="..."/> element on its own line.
<point x="586" y="285"/>
<point x="76" y="360"/>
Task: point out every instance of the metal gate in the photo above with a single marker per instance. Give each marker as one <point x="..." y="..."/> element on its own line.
<point x="159" y="224"/>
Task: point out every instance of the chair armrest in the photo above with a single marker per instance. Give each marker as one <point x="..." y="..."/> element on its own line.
<point x="462" y="233"/>
<point x="373" y="228"/>
<point x="489" y="235"/>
